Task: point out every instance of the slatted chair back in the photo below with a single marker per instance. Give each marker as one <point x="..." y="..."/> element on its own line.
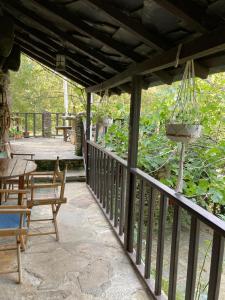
<point x="54" y="197"/>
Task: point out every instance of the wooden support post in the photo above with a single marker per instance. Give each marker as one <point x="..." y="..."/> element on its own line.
<point x="135" y="107"/>
<point x="87" y="133"/>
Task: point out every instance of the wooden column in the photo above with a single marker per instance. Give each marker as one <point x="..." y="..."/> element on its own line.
<point x="135" y="107"/>
<point x="88" y="134"/>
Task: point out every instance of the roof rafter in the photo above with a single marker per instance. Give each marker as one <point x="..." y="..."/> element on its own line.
<point x="44" y="40"/>
<point x="186" y="10"/>
<point x="27" y="42"/>
<point x="153" y="40"/>
<point x="64" y="36"/>
<point x="209" y="43"/>
<point x="86" y="29"/>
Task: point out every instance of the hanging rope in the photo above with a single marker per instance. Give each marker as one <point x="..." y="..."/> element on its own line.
<point x="186" y="107"/>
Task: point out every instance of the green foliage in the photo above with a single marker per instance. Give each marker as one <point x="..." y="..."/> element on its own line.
<point x="35" y="89"/>
<point x="204" y="174"/>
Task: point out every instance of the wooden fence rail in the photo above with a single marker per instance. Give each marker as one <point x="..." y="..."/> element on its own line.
<point x="107" y="181"/>
<point x="33" y="123"/>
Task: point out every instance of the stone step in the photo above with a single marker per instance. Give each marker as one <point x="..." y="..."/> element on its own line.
<point x="77" y="175"/>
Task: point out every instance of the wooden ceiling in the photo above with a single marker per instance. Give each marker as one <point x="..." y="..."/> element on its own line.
<point x="106" y="42"/>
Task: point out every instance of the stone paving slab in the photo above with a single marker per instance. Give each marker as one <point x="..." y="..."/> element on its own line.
<point x="46" y="148"/>
<point x="87" y="263"/>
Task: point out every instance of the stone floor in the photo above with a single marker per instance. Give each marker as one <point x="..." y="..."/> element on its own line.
<point x="87" y="263"/>
<point x="45" y="148"/>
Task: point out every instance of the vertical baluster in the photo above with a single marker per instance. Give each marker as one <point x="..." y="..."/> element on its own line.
<point x="149" y="234"/>
<point x="64" y="121"/>
<point x="112" y="189"/>
<point x="101" y="185"/>
<point x="103" y="180"/>
<point x="122" y="200"/>
<point x="116" y="196"/>
<point x="26" y="125"/>
<point x="160" y="244"/>
<point x="174" y="253"/>
<point x="34" y="124"/>
<point x="42" y="124"/>
<point x="94" y="169"/>
<point x="216" y="266"/>
<point x="98" y="172"/>
<point x="192" y="259"/>
<point x="57" y="123"/>
<point x="140" y="223"/>
<point x="90" y="157"/>
<point x="107" y="183"/>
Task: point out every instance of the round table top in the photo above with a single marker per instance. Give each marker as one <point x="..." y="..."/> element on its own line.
<point x="15" y="167"/>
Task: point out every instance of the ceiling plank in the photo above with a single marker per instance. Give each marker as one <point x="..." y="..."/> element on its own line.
<point x="186" y="10"/>
<point x="153" y="40"/>
<point x="88" y="30"/>
<point x="44" y="40"/>
<point x="209" y="43"/>
<point x="12" y="6"/>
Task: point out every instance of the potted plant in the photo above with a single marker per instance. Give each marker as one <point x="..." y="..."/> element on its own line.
<point x="184" y="125"/>
<point x="26" y="134"/>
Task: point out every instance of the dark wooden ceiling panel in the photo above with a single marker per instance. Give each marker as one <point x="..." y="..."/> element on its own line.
<point x="103" y="40"/>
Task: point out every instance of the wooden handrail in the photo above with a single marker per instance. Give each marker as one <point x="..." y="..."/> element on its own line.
<point x="202" y="214"/>
<point x="107" y="183"/>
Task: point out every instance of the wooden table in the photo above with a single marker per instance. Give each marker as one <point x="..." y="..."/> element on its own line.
<point x="11" y="168"/>
<point x="65" y="131"/>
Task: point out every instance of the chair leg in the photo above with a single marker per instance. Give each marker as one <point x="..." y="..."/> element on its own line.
<point x="19" y="262"/>
<point x="55" y="223"/>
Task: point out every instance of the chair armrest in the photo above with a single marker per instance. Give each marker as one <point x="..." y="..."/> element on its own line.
<point x="2" y="191"/>
<point x="12" y="206"/>
<point x="15" y="211"/>
<point x="42" y="173"/>
<point x="42" y="186"/>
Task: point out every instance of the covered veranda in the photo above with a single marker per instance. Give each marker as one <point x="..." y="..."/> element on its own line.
<point x="127" y="46"/>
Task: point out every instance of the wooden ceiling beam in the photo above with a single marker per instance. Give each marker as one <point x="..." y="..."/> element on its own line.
<point x="186" y="10"/>
<point x="153" y="40"/>
<point x="33" y="46"/>
<point x="88" y="30"/>
<point x="44" y="40"/>
<point x="12" y="6"/>
<point x="209" y="43"/>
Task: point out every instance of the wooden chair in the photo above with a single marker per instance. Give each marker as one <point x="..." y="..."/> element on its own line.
<point x="13" y="223"/>
<point x="54" y="197"/>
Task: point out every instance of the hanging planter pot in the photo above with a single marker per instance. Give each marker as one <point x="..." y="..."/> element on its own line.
<point x="184" y="126"/>
<point x="184" y="133"/>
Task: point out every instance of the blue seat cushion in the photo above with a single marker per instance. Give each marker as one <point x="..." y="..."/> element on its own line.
<point x="10" y="221"/>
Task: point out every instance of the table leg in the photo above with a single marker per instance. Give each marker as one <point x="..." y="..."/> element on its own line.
<point x="21" y="187"/>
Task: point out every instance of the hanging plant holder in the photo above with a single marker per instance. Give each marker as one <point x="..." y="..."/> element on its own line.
<point x="184" y="126"/>
<point x="185" y="133"/>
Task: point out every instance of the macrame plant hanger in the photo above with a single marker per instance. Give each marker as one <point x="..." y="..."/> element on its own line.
<point x="184" y="124"/>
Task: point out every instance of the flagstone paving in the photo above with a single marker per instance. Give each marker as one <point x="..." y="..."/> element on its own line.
<point x="87" y="262"/>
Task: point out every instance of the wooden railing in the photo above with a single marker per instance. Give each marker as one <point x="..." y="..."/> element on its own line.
<point x="33" y="123"/>
<point x="107" y="175"/>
